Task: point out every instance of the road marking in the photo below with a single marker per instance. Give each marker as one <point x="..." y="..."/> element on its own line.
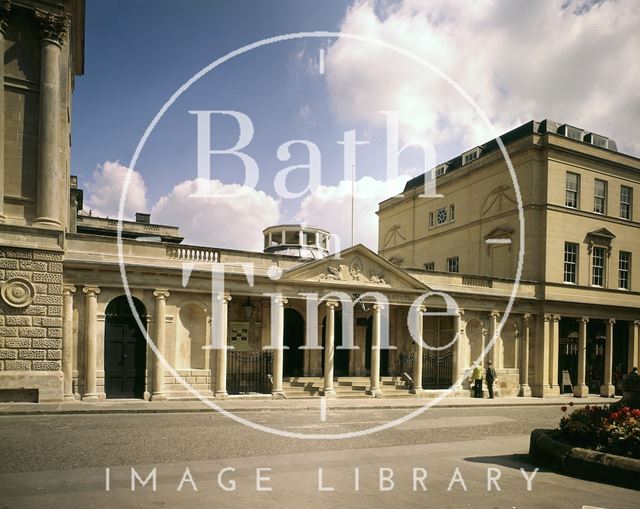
<point x="323" y="409"/>
<point x="498" y="241"/>
<point x="321" y="63"/>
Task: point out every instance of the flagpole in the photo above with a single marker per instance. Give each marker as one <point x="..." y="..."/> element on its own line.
<point x="353" y="201"/>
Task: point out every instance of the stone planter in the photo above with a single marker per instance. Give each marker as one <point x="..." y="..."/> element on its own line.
<point x="547" y="451"/>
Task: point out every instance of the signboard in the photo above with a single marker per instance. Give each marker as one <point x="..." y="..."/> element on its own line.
<point x="566" y="379"/>
<point x="239" y="336"/>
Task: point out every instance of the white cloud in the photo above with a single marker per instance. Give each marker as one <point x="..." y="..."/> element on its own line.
<point x="573" y="61"/>
<point x="104" y="190"/>
<point x="233" y="217"/>
<point x="329" y="207"/>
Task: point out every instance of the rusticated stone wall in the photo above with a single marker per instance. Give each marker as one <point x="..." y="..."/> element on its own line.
<point x="30" y="310"/>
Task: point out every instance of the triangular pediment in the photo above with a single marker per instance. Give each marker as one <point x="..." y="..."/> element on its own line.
<point x="500" y="232"/>
<point x="602" y="233"/>
<point x="356" y="266"/>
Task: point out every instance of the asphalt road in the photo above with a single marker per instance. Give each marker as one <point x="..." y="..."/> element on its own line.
<point x="62" y="461"/>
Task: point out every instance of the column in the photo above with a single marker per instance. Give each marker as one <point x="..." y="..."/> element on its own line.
<point x="158" y="393"/>
<point x="329" y="349"/>
<point x="374" y="384"/>
<point x="417" y="355"/>
<point x="634" y="345"/>
<point x="607" y="389"/>
<point x="51" y="181"/>
<point x="221" y="354"/>
<point x="496" y="351"/>
<point x="525" y="390"/>
<point x="580" y="389"/>
<point x="67" y="342"/>
<point x="5" y="11"/>
<point x="459" y="350"/>
<point x="278" y="360"/>
<point x="541" y="388"/>
<point x="91" y="333"/>
<point x="554" y="353"/>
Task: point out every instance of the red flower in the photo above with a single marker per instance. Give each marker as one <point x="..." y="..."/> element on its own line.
<point x="570" y="403"/>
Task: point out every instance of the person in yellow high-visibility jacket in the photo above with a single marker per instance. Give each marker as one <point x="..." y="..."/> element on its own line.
<point x="476" y="376"/>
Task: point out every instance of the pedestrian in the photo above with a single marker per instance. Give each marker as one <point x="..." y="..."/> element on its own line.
<point x="490" y="377"/>
<point x="476" y="376"/>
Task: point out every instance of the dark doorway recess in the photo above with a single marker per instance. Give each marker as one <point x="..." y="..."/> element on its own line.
<point x="124" y="350"/>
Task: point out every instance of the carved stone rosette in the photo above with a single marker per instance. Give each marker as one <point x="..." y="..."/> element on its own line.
<point x="53" y="28"/>
<point x="17" y="292"/>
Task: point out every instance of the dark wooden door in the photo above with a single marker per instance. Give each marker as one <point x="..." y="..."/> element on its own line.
<point x="124" y="368"/>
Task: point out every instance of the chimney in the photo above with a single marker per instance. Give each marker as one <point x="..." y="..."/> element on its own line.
<point x="143" y="218"/>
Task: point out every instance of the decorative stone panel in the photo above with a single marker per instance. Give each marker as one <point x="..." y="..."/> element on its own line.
<point x="30" y="310"/>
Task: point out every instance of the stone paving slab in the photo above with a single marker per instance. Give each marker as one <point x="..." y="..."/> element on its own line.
<point x="240" y="404"/>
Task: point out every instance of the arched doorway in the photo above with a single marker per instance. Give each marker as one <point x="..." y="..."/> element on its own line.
<point x="384" y="353"/>
<point x="124" y="350"/>
<point x="294" y="339"/>
<point x="340" y="355"/>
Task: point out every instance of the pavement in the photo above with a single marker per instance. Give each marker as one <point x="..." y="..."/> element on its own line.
<point x="251" y="404"/>
<point x="446" y="458"/>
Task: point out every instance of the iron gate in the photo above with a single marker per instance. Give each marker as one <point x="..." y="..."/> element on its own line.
<point x="249" y="372"/>
<point x="437" y="368"/>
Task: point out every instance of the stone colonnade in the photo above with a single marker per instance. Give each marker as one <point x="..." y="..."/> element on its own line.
<point x="543" y="345"/>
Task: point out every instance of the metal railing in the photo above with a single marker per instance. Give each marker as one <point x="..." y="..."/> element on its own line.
<point x="249" y="372"/>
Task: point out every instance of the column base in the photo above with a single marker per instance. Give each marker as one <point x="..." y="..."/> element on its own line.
<point x="375" y="393"/>
<point x="416" y="390"/>
<point x="525" y="391"/>
<point x="580" y="391"/>
<point x="545" y="391"/>
<point x="279" y="395"/>
<point x="47" y="221"/>
<point x="221" y="395"/>
<point x="90" y="398"/>
<point x="328" y="393"/>
<point x="68" y="398"/>
<point x="159" y="396"/>
<point x="607" y="391"/>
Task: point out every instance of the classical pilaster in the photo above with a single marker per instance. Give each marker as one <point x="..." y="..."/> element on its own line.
<point x="278" y="360"/>
<point x="51" y="182"/>
<point x="525" y="390"/>
<point x="607" y="389"/>
<point x="5" y="11"/>
<point x="67" y="342"/>
<point x="374" y="384"/>
<point x="554" y="352"/>
<point x="634" y="345"/>
<point x="496" y="351"/>
<point x="459" y="350"/>
<point x="158" y="393"/>
<point x="221" y="353"/>
<point x="329" y="349"/>
<point x="542" y="349"/>
<point x="580" y="389"/>
<point x="91" y="339"/>
<point x="417" y="353"/>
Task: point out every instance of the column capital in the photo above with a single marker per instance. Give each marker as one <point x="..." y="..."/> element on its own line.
<point x="636" y="323"/>
<point x="5" y="11"/>
<point x="332" y="304"/>
<point x="494" y="314"/>
<point x="91" y="291"/>
<point x="68" y="289"/>
<point x="460" y="312"/>
<point x="556" y="318"/>
<point x="612" y="321"/>
<point x="161" y="294"/>
<point x="53" y="27"/>
<point x="584" y="319"/>
<point x="547" y="317"/>
<point x="224" y="298"/>
<point x="526" y="317"/>
<point x="378" y="307"/>
<point x="280" y="300"/>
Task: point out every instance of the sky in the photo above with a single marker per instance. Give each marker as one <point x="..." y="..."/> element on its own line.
<point x="443" y="67"/>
